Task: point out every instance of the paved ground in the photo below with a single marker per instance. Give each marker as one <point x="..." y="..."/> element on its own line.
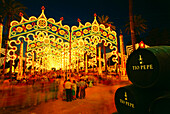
<point x="99" y="100"/>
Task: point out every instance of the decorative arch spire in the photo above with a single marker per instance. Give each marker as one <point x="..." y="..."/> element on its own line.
<point x="62" y="18"/>
<point x="23" y="20"/>
<point x="95" y="15"/>
<point x="42" y="16"/>
<point x="21" y="14"/>
<point x="43" y="8"/>
<point x="95" y="20"/>
<point x="78" y="20"/>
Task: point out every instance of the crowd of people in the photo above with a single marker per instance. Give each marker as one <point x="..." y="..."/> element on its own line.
<point x="29" y="90"/>
<point x="36" y="88"/>
<point x="29" y="79"/>
<point x="73" y="90"/>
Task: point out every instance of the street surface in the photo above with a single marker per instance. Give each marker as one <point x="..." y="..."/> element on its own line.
<point x="99" y="100"/>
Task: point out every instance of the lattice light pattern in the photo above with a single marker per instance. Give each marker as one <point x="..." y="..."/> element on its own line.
<point x="49" y="39"/>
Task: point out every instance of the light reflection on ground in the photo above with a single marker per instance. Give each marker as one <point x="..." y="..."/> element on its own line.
<point x="99" y="100"/>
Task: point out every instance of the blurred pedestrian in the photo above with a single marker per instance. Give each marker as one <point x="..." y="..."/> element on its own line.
<point x="90" y="83"/>
<point x="74" y="88"/>
<point x="64" y="91"/>
<point x="83" y="86"/>
<point x="57" y="83"/>
<point x="77" y="90"/>
<point x="68" y="85"/>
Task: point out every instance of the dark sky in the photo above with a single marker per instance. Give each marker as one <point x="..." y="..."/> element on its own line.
<point x="156" y="12"/>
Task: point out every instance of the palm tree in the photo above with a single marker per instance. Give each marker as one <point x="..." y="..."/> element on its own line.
<point x="139" y="25"/>
<point x="133" y="39"/>
<point x="9" y="10"/>
<point x="104" y="20"/>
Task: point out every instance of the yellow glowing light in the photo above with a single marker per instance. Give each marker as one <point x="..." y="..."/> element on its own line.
<point x="29" y="26"/>
<point x="54" y="28"/>
<point x="48" y="33"/>
<point x="54" y="44"/>
<point x="42" y="23"/>
<point x="85" y="31"/>
<point x="104" y="33"/>
<point x="46" y="41"/>
<point x="81" y="42"/>
<point x="78" y="33"/>
<point x="74" y="44"/>
<point x="105" y="44"/>
<point x="38" y="43"/>
<point x="32" y="45"/>
<point x="110" y="36"/>
<point x="13" y="23"/>
<point x="19" y="29"/>
<point x="95" y="28"/>
<point x="62" y="32"/>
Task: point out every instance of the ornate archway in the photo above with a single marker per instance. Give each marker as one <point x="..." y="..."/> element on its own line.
<point x="43" y="36"/>
<point x="52" y="44"/>
<point x="85" y="39"/>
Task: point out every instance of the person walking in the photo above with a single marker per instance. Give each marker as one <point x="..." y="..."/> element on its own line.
<point x="74" y="87"/>
<point x="90" y="83"/>
<point x="68" y="86"/>
<point x="82" y="88"/>
<point x="77" y="90"/>
<point x="64" y="91"/>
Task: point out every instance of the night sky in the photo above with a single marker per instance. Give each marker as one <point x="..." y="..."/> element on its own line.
<point x="156" y="12"/>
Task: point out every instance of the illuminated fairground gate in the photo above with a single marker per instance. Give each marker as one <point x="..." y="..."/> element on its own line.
<point x="84" y="41"/>
<point x="50" y="44"/>
<point x="45" y="39"/>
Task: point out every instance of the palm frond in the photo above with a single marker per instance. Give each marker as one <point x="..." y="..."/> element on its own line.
<point x="139" y="25"/>
<point x="104" y="20"/>
<point x="100" y="19"/>
<point x="113" y="27"/>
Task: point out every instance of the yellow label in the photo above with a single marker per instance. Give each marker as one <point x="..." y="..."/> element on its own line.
<point x="143" y="67"/>
<point x="127" y="103"/>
